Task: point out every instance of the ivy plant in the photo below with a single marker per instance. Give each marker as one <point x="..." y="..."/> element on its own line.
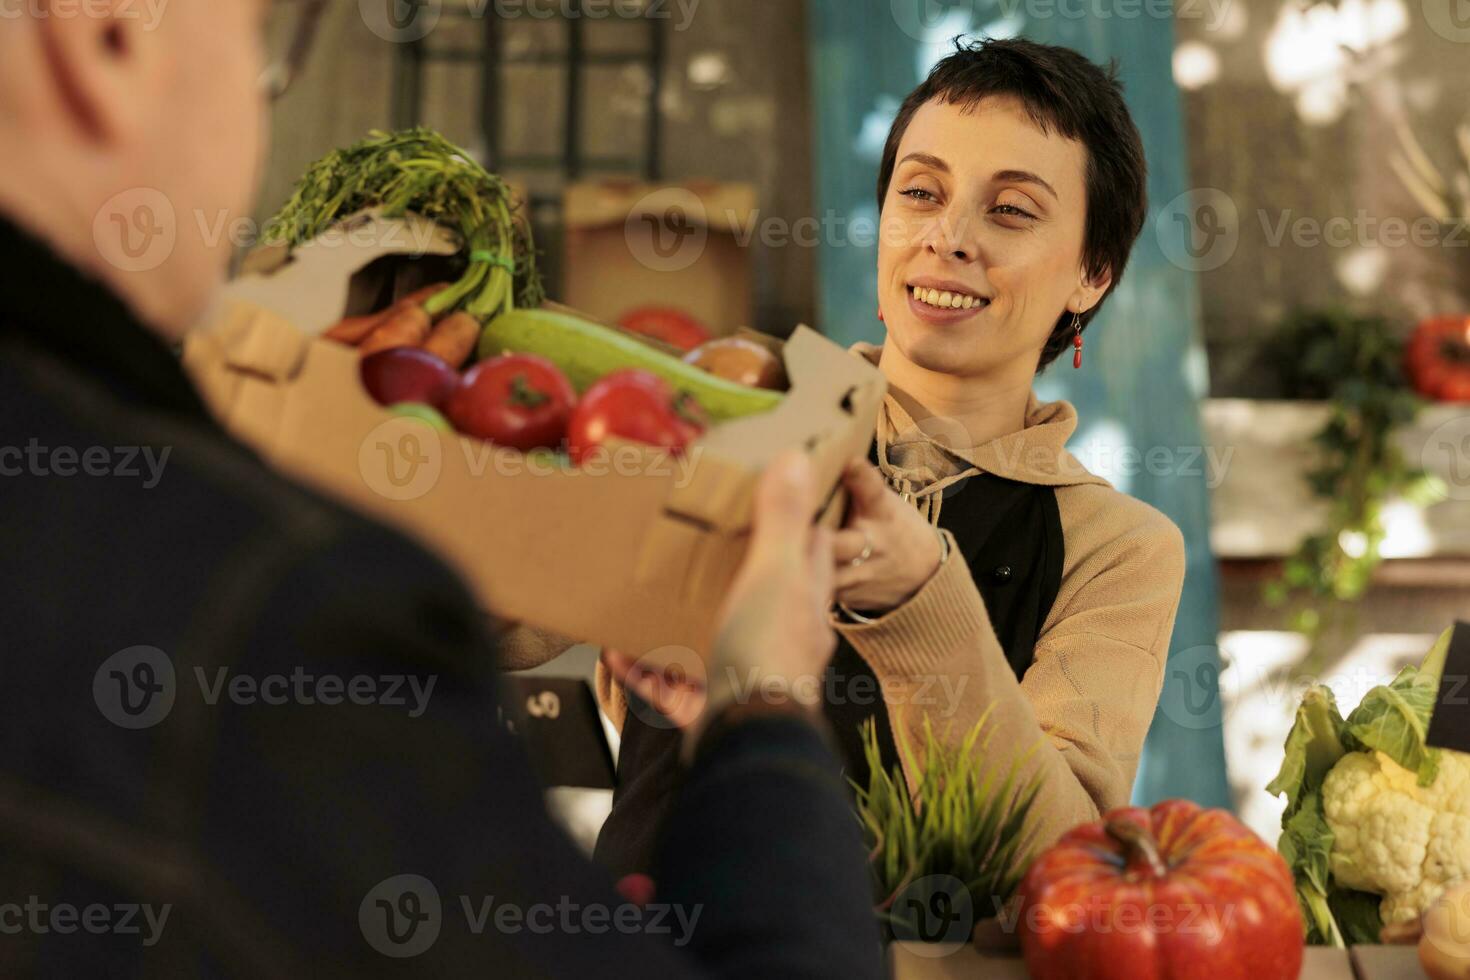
<point x="1354" y="362"/>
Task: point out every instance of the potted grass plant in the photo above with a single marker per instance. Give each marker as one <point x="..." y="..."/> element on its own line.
<point x="947" y="854"/>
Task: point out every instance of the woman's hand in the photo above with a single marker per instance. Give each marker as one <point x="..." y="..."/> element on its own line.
<point x="886" y="551"/>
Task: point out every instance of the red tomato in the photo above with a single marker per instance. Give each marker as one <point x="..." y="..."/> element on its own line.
<point x="1172" y="893"/>
<point x="673" y="327"/>
<point x="636" y="406"/>
<point x="1437" y="358"/>
<point x="1456" y="388"/>
<point x="521" y="401"/>
<point x="1429" y="377"/>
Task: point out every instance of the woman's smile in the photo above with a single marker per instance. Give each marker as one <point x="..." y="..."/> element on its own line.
<point x="943" y="301"/>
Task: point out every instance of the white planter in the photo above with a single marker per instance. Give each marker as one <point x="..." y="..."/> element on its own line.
<point x="1263" y="508"/>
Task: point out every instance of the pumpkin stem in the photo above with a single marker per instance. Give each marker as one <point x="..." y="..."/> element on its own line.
<point x="1139" y="846"/>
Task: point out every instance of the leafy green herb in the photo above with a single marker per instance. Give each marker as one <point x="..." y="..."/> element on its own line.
<point x="420" y="171"/>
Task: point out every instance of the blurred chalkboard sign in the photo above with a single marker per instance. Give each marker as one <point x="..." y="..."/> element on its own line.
<point x="1449" y="726"/>
<point x="556" y="720"/>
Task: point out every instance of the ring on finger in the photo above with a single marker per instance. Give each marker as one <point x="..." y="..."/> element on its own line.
<point x="866" y="553"/>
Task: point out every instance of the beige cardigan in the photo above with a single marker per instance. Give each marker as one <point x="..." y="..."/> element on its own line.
<point x="1086" y="702"/>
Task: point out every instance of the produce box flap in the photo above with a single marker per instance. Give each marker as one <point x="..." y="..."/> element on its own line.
<point x="310" y="285"/>
<point x="1449" y="725"/>
<point x="246" y="338"/>
<point x="608" y="203"/>
<point x="829" y="389"/>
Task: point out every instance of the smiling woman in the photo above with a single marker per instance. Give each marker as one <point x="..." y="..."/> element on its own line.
<point x="1039" y="199"/>
<point x="981" y="567"/>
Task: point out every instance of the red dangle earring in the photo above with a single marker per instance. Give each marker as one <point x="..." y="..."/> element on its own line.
<point x="1077" y="341"/>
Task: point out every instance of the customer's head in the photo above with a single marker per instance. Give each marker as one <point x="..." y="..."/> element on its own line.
<point x="1015" y="176"/>
<point x="160" y="98"/>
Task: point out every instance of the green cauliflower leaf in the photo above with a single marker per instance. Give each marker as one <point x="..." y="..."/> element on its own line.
<point x="1312" y="749"/>
<point x="1356" y="914"/>
<point x="1394" y="719"/>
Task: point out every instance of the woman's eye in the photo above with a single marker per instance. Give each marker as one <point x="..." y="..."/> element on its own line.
<point x="1011" y="209"/>
<point x="918" y="194"/>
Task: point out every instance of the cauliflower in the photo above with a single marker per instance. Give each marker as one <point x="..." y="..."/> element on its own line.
<point x="1377" y="821"/>
<point x="1394" y="837"/>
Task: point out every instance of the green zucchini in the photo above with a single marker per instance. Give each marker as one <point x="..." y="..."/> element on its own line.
<point x="587" y="352"/>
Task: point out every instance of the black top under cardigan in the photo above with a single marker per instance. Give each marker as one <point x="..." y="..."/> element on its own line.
<point x="1010" y="535"/>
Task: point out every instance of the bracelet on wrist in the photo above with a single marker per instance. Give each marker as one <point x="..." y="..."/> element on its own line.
<point x="858" y="617"/>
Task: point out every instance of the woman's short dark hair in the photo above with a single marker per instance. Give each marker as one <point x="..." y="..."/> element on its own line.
<point x="1063" y="91"/>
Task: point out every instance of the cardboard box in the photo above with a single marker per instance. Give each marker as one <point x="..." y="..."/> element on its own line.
<point x="636" y="556"/>
<point x="632" y="245"/>
<point x="916" y="961"/>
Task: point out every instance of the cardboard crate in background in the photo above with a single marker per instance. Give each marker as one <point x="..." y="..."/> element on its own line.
<point x="639" y="560"/>
<point x="631" y="245"/>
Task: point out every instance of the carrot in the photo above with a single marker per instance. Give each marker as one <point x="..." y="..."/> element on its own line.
<point x="405" y="326"/>
<point x="422" y="296"/>
<point x="355" y="329"/>
<point x="454" y="338"/>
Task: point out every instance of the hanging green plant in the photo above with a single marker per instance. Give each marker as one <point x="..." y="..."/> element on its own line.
<point x="1355" y="363"/>
<point x="965" y="821"/>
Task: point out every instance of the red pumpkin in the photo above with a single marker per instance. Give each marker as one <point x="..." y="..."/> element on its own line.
<point x="1172" y="893"/>
<point x="1437" y="359"/>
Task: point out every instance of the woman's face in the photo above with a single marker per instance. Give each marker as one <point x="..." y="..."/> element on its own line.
<point x="987" y="208"/>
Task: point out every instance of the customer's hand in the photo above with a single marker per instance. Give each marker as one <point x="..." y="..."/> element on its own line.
<point x="886" y="551"/>
<point x="772" y="638"/>
<point x="671" y="684"/>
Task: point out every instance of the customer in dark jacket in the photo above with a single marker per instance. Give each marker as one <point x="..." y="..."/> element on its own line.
<point x="249" y="733"/>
